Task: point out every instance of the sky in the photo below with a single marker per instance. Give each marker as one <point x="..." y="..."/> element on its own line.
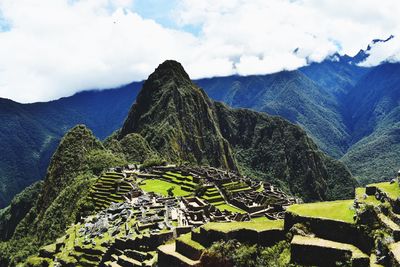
<point x="55" y="48"/>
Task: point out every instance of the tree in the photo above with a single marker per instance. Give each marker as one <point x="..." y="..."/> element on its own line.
<point x="170" y="191"/>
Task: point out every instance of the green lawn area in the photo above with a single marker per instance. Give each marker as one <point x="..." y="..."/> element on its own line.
<point x="360" y="191"/>
<point x="230" y="226"/>
<point x="260" y="219"/>
<point x="261" y="188"/>
<point x="187" y="239"/>
<point x="340" y="210"/>
<point x="161" y="187"/>
<point x="228" y="207"/>
<point x="392" y="190"/>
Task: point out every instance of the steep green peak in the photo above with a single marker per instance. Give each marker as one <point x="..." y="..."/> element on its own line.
<point x="170" y="69"/>
<point x="69" y="159"/>
<point x="167" y="90"/>
<point x="177" y="119"/>
<point x="169" y="77"/>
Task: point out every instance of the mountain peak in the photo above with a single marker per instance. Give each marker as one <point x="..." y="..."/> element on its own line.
<point x="170" y="70"/>
<point x="176" y="118"/>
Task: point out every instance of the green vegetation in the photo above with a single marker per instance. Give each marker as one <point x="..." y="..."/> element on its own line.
<point x="375" y="117"/>
<point x="136" y="148"/>
<point x="63" y="199"/>
<point x="254" y="225"/>
<point x="30" y="133"/>
<point x="176" y="119"/>
<point x="341" y="210"/>
<point x="228" y="207"/>
<point x="187" y="239"/>
<point x="233" y="253"/>
<point x="360" y="192"/>
<point x="161" y="187"/>
<point x="17" y="210"/>
<point x="110" y="187"/>
<point x="392" y="190"/>
<point x="260" y="219"/>
<point x="273" y="142"/>
<point x="313" y="241"/>
<point x="100" y="160"/>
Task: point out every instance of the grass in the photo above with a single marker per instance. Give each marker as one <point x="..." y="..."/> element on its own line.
<point x="187" y="239"/>
<point x="230" y="208"/>
<point x="395" y="249"/>
<point x="313" y="241"/>
<point x="340" y="210"/>
<point x="161" y="187"/>
<point x="260" y="219"/>
<point x="253" y="225"/>
<point x="261" y="189"/>
<point x="360" y="191"/>
<point x="392" y="190"/>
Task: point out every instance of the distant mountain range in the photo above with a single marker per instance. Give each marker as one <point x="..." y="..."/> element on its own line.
<point x="349" y="111"/>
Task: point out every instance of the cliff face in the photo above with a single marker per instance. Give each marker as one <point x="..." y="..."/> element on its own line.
<point x="180" y="122"/>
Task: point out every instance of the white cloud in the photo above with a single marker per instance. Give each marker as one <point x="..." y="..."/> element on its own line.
<point x="383" y="52"/>
<point x="57" y="47"/>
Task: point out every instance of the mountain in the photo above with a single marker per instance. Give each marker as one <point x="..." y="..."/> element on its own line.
<point x="291" y="95"/>
<point x="178" y="120"/>
<point x="29" y="133"/>
<point x="374" y="117"/>
<point x="337" y="75"/>
<point x="60" y="200"/>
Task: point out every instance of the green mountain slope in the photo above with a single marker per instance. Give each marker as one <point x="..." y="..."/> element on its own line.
<point x="30" y="133"/>
<point x="374" y="116"/>
<point x="291" y="95"/>
<point x="62" y="199"/>
<point x="179" y="121"/>
<point x="280" y="152"/>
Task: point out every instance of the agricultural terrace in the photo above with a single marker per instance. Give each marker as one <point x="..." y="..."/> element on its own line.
<point x="340" y="210"/>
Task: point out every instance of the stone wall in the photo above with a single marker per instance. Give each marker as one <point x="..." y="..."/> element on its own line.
<point x="333" y="230"/>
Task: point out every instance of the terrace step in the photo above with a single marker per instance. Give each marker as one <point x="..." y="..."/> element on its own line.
<point x="167" y="256"/>
<point x="111" y="264"/>
<point x="372" y="261"/>
<point x="91" y="257"/>
<point x="322" y="252"/>
<point x="124" y="261"/>
<point x="395" y="254"/>
<point x="214" y="199"/>
<point x="390" y="225"/>
<point x="212" y="194"/>
<point x="189" y="248"/>
<point x="87" y="263"/>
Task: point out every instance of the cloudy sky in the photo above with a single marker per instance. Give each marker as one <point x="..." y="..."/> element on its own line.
<point x="54" y="48"/>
